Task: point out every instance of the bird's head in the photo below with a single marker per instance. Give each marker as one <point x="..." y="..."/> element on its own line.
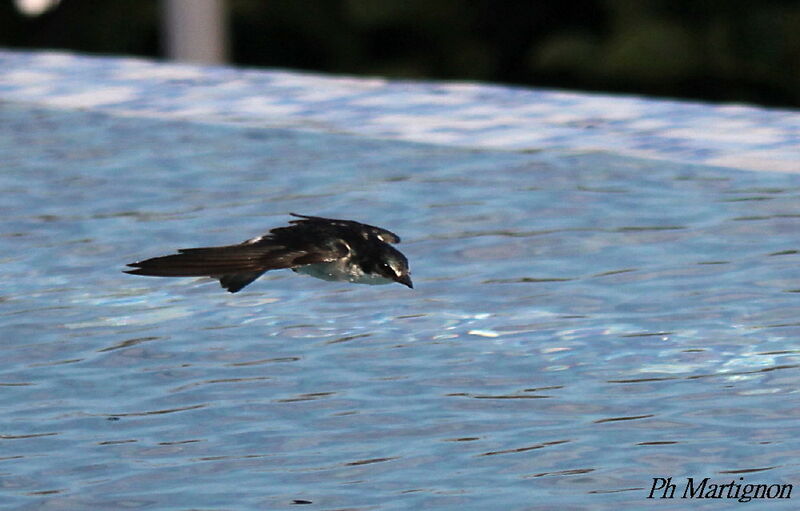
<point x="391" y="264"/>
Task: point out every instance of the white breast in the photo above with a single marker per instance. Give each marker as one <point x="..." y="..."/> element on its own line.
<point x="341" y="271"/>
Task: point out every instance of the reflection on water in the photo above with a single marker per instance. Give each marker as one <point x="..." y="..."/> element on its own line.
<point x="581" y="324"/>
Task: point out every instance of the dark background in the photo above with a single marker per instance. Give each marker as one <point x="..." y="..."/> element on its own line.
<point x="726" y="50"/>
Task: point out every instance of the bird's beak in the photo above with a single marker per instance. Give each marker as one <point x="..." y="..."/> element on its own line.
<point x="405" y="280"/>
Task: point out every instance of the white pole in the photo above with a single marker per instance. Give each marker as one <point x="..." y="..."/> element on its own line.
<point x="195" y="31"/>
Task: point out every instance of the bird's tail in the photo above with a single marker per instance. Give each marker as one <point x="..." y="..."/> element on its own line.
<point x="235" y="266"/>
<point x="200" y="262"/>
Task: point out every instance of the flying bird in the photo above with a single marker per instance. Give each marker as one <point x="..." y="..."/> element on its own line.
<point x="325" y="248"/>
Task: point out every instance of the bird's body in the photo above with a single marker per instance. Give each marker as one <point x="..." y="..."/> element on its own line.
<point x="328" y="249"/>
<point x="337" y="271"/>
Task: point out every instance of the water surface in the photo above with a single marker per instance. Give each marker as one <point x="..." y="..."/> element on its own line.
<point x="581" y="323"/>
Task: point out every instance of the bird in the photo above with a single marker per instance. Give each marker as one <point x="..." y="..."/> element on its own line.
<point x="325" y="248"/>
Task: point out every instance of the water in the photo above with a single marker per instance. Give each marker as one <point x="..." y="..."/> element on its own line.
<point x="580" y="324"/>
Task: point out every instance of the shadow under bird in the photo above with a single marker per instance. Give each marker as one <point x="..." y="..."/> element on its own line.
<point x="325" y="248"/>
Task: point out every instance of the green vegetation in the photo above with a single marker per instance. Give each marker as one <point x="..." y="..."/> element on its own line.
<point x="731" y="50"/>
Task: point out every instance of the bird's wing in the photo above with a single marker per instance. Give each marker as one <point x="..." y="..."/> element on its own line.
<point x="238" y="259"/>
<point x="308" y="241"/>
<point x="366" y="229"/>
<point x="211" y="261"/>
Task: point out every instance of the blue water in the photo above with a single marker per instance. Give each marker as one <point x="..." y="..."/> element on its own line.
<point x="581" y="324"/>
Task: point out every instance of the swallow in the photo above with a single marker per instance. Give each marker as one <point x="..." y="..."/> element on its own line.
<point x="325" y="248"/>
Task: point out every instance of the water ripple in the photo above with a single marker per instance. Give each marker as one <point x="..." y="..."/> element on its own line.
<point x="581" y="323"/>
